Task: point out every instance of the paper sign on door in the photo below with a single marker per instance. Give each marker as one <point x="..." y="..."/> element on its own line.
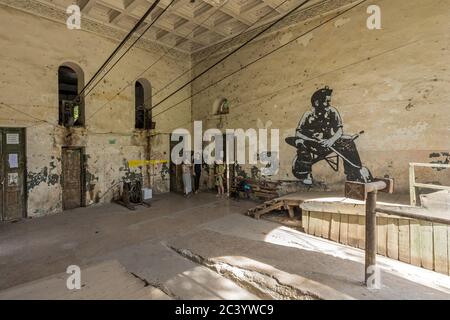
<point x="12" y="138"/>
<point x="13" y="179"/>
<point x="13" y="160"/>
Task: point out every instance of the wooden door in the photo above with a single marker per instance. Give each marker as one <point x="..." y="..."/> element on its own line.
<point x="12" y="174"/>
<point x="72" y="178"/>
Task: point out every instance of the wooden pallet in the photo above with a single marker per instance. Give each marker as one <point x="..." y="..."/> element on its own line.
<point x="287" y="202"/>
<point x="272" y="205"/>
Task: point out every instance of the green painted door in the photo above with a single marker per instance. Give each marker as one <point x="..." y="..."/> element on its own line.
<point x="12" y="174"/>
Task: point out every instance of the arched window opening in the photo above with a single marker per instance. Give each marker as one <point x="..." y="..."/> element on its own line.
<point x="221" y="106"/>
<point x="71" y="107"/>
<point x="143" y="104"/>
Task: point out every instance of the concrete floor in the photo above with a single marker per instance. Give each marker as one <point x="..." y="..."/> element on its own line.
<point x="200" y="248"/>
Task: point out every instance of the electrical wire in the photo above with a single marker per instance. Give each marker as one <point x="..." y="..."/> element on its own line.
<point x="41" y="121"/>
<point x="260" y="58"/>
<point x="121" y="44"/>
<point x="365" y="59"/>
<point x="154" y="63"/>
<point x="24" y="113"/>
<point x="181" y="75"/>
<point x="222" y="44"/>
<point x="232" y="52"/>
<point x="130" y="47"/>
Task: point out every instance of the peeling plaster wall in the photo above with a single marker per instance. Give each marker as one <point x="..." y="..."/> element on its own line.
<point x="392" y="83"/>
<point x="32" y="49"/>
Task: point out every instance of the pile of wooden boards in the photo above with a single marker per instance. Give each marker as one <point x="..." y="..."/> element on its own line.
<point x="264" y="189"/>
<point x="260" y="189"/>
<point x="265" y="207"/>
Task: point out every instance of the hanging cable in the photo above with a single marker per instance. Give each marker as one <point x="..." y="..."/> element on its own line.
<point x="233" y="51"/>
<point x="24" y="113"/>
<point x="121" y="44"/>
<point x="148" y="68"/>
<point x="157" y="60"/>
<point x="222" y="44"/>
<point x="131" y="46"/>
<point x="276" y="92"/>
<point x="260" y="58"/>
<point x="167" y="52"/>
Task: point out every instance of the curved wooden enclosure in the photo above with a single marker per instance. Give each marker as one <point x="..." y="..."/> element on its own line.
<point x="417" y="242"/>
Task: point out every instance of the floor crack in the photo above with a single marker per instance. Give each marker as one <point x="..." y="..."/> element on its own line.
<point x="263" y="285"/>
<point x="157" y="286"/>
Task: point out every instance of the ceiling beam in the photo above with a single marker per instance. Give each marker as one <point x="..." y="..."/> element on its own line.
<point x="128" y="9"/>
<point x="274" y="6"/>
<point x="86" y="5"/>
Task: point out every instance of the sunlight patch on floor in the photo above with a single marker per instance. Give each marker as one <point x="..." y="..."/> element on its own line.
<point x="291" y="238"/>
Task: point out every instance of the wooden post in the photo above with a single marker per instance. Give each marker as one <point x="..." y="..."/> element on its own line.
<point x="371" y="237"/>
<point x="368" y="192"/>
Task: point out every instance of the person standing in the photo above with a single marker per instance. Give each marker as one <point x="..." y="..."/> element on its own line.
<point x="187" y="177"/>
<point x="220" y="172"/>
<point x="197" y="172"/>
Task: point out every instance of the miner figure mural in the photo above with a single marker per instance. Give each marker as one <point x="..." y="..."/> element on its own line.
<point x="320" y="136"/>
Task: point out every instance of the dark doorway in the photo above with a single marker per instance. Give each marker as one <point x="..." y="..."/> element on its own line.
<point x="142" y="105"/>
<point x="72" y="177"/>
<point x="12" y="174"/>
<point x="139" y="105"/>
<point x="70" y="83"/>
<point x="176" y="174"/>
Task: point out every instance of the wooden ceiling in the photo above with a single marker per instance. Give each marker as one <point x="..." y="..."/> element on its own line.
<point x="187" y="25"/>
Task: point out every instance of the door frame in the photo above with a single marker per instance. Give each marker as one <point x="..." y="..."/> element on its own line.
<point x="25" y="173"/>
<point x="82" y="174"/>
<point x="175" y="171"/>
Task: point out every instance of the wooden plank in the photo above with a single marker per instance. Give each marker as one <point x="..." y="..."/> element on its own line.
<point x="305" y="220"/>
<point x="311" y="223"/>
<point x="326" y="225"/>
<point x="315" y="223"/>
<point x="353" y="222"/>
<point x="293" y="203"/>
<point x="343" y="229"/>
<point x="404" y="249"/>
<point x="392" y="238"/>
<point x="334" y="229"/>
<point x="426" y="245"/>
<point x="382" y="235"/>
<point x="412" y="182"/>
<point x="361" y="232"/>
<point x="415" y="247"/>
<point x="440" y="245"/>
<point x="275" y="206"/>
<point x="291" y="211"/>
<point x="318" y="224"/>
<point x="448" y="248"/>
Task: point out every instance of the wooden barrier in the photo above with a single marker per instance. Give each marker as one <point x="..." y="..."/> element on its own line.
<point x="413" y="184"/>
<point x="414" y="241"/>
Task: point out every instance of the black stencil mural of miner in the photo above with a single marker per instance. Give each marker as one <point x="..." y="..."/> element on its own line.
<point x="320" y="136"/>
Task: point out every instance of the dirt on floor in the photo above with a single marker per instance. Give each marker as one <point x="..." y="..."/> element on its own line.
<point x="201" y="248"/>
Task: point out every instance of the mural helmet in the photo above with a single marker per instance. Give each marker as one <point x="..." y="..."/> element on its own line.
<point x="321" y="95"/>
